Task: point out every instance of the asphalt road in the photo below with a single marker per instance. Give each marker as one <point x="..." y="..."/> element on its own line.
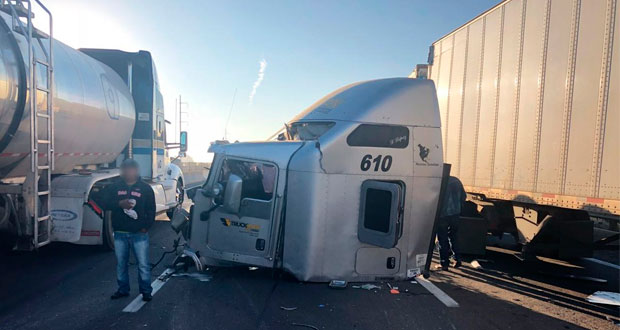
<point x="64" y="286"/>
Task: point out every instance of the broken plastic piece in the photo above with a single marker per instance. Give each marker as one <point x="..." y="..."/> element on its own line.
<point x="288" y="308"/>
<point x="605" y="297"/>
<point x="366" y="287"/>
<point x="338" y="284"/>
<point x="475" y="264"/>
<point x="394" y="291"/>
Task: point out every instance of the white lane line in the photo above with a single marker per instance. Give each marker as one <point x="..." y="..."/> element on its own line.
<point x="442" y="296"/>
<point x="601" y="262"/>
<point x="137" y="303"/>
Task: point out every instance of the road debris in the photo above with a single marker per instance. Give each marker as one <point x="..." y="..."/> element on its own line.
<point x="366" y="287"/>
<point x="304" y="325"/>
<point x="202" y="277"/>
<point x="475" y="264"/>
<point x="252" y="268"/>
<point x="288" y="308"/>
<point x="338" y="284"/>
<point x="605" y="297"/>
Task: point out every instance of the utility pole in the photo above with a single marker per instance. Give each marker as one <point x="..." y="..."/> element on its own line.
<point x="179" y="120"/>
<point x="180" y="117"/>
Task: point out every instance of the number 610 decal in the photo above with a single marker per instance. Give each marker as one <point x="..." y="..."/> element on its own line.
<point x="379" y="162"/>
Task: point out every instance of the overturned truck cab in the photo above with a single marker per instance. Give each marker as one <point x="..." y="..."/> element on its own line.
<point x="349" y="191"/>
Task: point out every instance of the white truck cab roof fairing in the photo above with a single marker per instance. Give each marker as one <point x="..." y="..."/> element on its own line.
<point x="396" y="101"/>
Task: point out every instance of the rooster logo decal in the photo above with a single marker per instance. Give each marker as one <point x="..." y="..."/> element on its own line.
<point x="424" y="151"/>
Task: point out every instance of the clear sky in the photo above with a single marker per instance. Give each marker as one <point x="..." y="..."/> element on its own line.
<point x="280" y="56"/>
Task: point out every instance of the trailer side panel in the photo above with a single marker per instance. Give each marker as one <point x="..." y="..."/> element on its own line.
<point x="529" y="102"/>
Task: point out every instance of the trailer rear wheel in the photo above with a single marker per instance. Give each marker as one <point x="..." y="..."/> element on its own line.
<point x="108" y="232"/>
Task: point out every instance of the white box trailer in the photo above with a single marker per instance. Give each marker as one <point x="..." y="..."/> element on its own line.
<point x="529" y="95"/>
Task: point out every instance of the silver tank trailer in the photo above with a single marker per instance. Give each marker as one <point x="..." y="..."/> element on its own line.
<point x="93" y="108"/>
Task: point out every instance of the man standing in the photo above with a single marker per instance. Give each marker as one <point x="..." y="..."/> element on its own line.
<point x="132" y="204"/>
<point x="453" y="200"/>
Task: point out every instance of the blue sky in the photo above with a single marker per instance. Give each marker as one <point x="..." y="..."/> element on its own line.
<point x="204" y="50"/>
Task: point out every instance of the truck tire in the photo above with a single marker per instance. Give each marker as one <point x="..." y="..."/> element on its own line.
<point x="180" y="193"/>
<point x="108" y="232"/>
<point x="8" y="228"/>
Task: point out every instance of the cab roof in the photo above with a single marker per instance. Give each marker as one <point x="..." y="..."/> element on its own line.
<point x="396" y="101"/>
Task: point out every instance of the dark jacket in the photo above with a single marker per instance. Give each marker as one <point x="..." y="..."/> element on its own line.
<point x="145" y="205"/>
<point x="454" y="197"/>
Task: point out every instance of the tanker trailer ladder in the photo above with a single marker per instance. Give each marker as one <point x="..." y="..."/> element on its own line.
<point x="41" y="162"/>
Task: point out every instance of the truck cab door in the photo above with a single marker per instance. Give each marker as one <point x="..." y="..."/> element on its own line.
<point x="241" y="226"/>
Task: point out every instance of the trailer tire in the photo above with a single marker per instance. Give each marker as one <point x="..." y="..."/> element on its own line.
<point x="108" y="232"/>
<point x="8" y="227"/>
<point x="180" y="198"/>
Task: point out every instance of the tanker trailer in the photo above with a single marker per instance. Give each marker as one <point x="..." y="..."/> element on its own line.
<point x="528" y="93"/>
<point x="67" y="117"/>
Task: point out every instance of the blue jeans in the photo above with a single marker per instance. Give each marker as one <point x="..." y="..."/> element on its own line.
<point x="139" y="243"/>
<point x="446" y="235"/>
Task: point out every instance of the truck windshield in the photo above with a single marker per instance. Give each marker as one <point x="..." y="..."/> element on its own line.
<point x="303" y="131"/>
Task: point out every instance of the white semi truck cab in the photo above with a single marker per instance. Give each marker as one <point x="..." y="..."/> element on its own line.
<point x="349" y="191"/>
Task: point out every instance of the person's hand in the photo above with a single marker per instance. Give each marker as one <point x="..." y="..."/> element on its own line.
<point x="143" y="230"/>
<point x="125" y="204"/>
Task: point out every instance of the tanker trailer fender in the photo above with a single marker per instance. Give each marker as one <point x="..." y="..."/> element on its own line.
<point x="78" y="215"/>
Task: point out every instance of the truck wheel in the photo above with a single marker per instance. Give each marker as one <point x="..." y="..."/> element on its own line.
<point x="180" y="193"/>
<point x="8" y="228"/>
<point x="108" y="232"/>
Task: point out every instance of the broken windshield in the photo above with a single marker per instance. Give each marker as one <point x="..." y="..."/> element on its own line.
<point x="304" y="131"/>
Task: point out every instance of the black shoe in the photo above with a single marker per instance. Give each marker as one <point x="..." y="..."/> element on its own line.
<point x="457" y="264"/>
<point x="147" y="297"/>
<point x="118" y="295"/>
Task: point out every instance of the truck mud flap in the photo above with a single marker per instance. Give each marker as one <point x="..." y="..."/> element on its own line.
<point x="553" y="231"/>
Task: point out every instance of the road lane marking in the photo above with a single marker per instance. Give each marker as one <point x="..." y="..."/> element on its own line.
<point x="137" y="303"/>
<point x="442" y="296"/>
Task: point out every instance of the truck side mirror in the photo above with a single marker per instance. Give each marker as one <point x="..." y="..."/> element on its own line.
<point x="232" y="195"/>
<point x="183" y="141"/>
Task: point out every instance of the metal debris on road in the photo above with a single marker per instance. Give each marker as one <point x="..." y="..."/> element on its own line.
<point x="304" y="325"/>
<point x="605" y="297"/>
<point x="338" y="284"/>
<point x="366" y="287"/>
<point x="202" y="277"/>
<point x="288" y="308"/>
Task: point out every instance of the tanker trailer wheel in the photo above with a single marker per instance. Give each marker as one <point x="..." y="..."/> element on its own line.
<point x="8" y="228"/>
<point x="108" y="232"/>
<point x="180" y="196"/>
